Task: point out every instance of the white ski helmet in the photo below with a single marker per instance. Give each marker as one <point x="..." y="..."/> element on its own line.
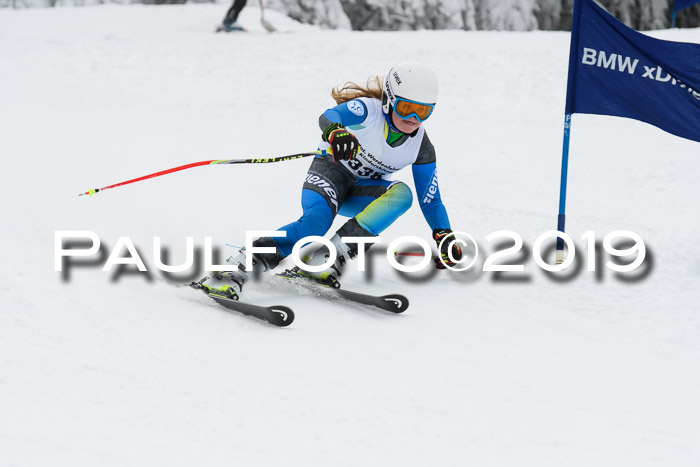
<point x="411" y="83"/>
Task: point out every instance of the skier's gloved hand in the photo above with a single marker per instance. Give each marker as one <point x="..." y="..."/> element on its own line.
<point x="446" y="241"/>
<point x="344" y="145"/>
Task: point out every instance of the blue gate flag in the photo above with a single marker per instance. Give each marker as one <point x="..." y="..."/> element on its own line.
<point x="682" y="4"/>
<point x="615" y="70"/>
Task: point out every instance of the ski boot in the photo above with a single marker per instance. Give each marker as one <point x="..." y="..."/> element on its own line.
<point x="329" y="276"/>
<point x="227" y="284"/>
<point x="230" y="27"/>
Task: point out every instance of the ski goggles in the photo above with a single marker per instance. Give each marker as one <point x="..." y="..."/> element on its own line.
<point x="406" y="109"/>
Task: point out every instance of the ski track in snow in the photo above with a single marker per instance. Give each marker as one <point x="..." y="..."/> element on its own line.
<point x="98" y="370"/>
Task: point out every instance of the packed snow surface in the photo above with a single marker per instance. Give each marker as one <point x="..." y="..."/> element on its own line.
<point x="101" y="368"/>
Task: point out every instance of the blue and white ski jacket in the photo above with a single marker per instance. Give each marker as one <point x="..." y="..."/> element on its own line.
<point x="377" y="159"/>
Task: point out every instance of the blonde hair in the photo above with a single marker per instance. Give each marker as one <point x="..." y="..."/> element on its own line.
<point x="352" y="90"/>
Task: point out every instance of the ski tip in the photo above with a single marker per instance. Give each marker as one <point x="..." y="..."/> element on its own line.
<point x="396" y="303"/>
<point x="281" y="315"/>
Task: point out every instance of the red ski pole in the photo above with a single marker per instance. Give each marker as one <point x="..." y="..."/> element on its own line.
<point x="409" y="253"/>
<point x="414" y="253"/>
<point x="268" y="160"/>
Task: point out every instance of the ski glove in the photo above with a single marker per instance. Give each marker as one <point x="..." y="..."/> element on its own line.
<point x="344" y="145"/>
<point x="445" y="237"/>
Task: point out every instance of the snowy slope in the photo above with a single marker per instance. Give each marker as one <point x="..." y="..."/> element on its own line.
<point x="105" y="370"/>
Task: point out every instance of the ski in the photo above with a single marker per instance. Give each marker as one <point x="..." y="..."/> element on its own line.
<point x="394" y="303"/>
<point x="277" y="315"/>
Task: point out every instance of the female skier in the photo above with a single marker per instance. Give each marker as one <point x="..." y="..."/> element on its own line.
<point x="373" y="132"/>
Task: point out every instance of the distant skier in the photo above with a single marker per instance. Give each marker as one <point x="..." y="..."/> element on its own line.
<point x="229" y="22"/>
<point x="373" y="132"/>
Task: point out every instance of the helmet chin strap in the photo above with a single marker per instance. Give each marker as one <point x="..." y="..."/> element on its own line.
<point x="387" y="117"/>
